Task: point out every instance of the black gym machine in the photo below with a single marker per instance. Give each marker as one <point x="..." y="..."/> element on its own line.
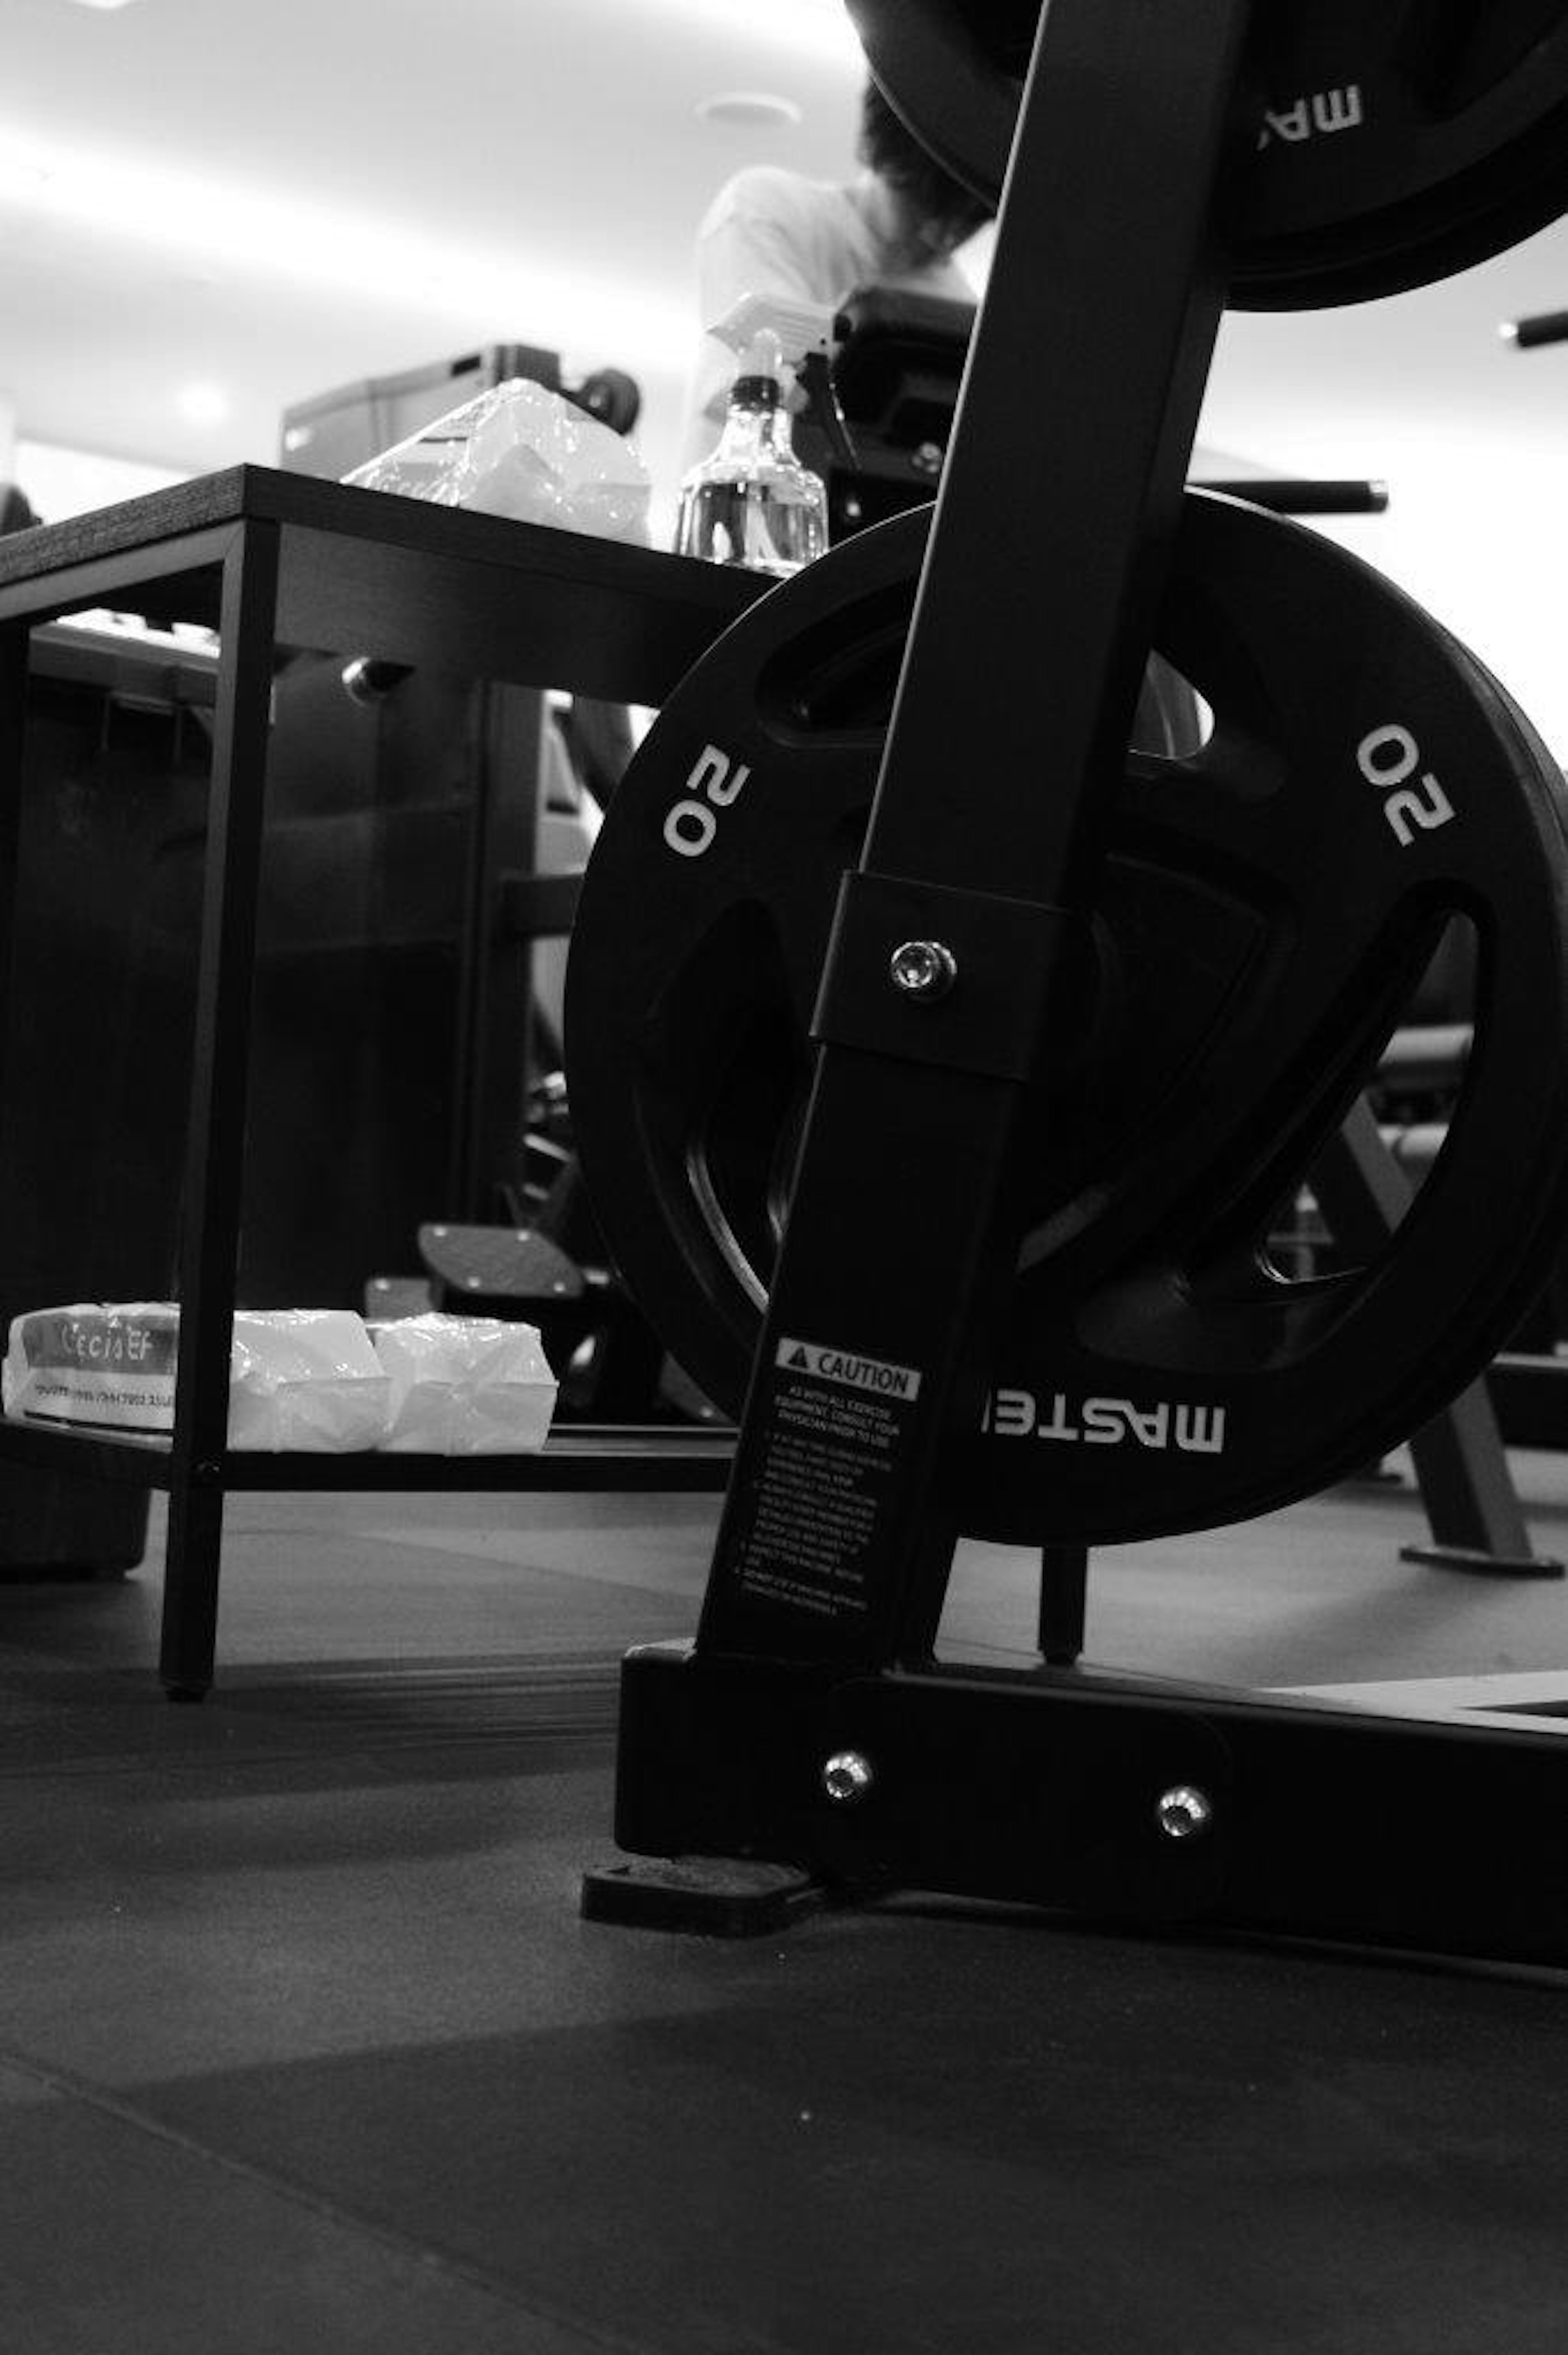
<point x="939" y="1066"/>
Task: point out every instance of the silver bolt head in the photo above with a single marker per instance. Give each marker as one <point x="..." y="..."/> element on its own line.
<point x="1184" y="1811"/>
<point x="923" y="969"/>
<point x="847" y="1777"/>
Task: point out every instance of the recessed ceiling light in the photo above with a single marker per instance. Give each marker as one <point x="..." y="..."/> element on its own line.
<point x="103" y="4"/>
<point x="754" y="109"/>
<point x="202" y="404"/>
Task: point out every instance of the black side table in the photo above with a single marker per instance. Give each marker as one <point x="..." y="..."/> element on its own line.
<point x="273" y="560"/>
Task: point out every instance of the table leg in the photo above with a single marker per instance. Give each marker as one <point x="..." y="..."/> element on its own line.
<point x="215" y="1138"/>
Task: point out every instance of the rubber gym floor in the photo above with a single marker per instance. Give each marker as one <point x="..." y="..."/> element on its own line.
<point x="306" y="2047"/>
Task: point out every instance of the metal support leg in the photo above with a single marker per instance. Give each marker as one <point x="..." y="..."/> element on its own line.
<point x="1063" y="1598"/>
<point x="13" y="729"/>
<point x="1472" y="1506"/>
<point x="893" y="1088"/>
<point x="1466" y="1490"/>
<point x="216" y="1142"/>
<point x="191" y="1563"/>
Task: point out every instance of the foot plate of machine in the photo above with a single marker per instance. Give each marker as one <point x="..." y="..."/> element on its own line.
<point x="715" y="1896"/>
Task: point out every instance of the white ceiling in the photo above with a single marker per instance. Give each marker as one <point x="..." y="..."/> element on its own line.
<point x="274" y="197"/>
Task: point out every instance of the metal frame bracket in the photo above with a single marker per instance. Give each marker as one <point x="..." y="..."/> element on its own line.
<point x="972" y="994"/>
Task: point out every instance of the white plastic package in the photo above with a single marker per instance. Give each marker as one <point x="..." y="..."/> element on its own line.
<point x="522" y="451"/>
<point x="299" y="1378"/>
<point x="307" y="1379"/>
<point x="465" y="1386"/>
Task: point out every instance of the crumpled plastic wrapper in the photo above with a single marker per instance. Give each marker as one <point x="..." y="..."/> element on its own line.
<point x="521" y="450"/>
<point x="299" y="1378"/>
<point x="465" y="1386"/>
<point x="307" y="1379"/>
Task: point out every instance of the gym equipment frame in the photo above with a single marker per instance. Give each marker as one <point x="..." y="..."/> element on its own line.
<point x="808" y="1725"/>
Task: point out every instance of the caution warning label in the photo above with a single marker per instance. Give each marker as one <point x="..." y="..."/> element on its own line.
<point x="815" y="1506"/>
<point x="851" y="1372"/>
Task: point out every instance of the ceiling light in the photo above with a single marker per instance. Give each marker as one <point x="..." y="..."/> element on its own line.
<point x="753" y="110"/>
<point x="202" y="404"/>
<point x="242" y="231"/>
<point x="103" y="4"/>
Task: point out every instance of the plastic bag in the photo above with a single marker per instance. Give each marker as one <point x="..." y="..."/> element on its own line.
<point x="465" y="1386"/>
<point x="95" y="1367"/>
<point x="299" y="1378"/>
<point x="522" y="451"/>
<point x="304" y="1378"/>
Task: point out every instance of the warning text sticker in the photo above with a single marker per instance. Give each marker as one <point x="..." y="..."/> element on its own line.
<point x="850" y="1372"/>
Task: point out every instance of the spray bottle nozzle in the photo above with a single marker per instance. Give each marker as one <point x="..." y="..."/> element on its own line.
<point x="794" y="330"/>
<point x="774" y="334"/>
<point x="762" y="358"/>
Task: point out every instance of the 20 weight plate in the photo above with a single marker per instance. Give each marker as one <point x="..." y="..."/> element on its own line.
<point x="1401" y="140"/>
<point x="1269" y="903"/>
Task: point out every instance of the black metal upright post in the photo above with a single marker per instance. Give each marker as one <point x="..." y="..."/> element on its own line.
<point x="1059" y="499"/>
<point x="1062" y="1609"/>
<point x="215" y="1153"/>
<point x="13" y="656"/>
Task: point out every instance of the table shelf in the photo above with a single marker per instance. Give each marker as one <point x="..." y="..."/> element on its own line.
<point x="657" y="1457"/>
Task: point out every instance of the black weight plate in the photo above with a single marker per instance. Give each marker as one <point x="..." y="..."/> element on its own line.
<point x="1403" y="140"/>
<point x="1268" y="905"/>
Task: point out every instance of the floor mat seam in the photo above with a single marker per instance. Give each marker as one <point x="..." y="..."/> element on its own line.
<point x="66" y="2085"/>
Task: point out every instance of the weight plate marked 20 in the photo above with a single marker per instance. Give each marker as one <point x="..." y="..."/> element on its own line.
<point x="1269" y="903"/>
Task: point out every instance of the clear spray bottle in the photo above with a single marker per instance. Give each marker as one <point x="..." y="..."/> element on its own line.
<point x="753" y="502"/>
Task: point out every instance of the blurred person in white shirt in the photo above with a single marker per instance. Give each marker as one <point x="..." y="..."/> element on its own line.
<point x="899" y="223"/>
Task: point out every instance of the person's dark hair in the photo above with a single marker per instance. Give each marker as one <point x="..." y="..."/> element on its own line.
<point x="15" y="509"/>
<point x="896" y="155"/>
